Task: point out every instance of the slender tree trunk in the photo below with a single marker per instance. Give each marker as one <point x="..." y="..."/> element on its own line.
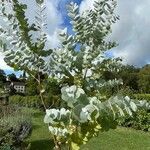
<point x="38" y="79"/>
<point x="41" y="93"/>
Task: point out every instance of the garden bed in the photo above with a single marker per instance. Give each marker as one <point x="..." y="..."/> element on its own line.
<point x="15" y="126"/>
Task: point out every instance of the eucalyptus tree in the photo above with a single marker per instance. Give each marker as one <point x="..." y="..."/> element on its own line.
<point x="77" y="65"/>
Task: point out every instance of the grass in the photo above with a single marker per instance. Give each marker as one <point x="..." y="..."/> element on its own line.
<point x="40" y="138"/>
<point x="119" y="139"/>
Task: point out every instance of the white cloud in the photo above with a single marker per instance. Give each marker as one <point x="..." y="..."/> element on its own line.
<point x="86" y="5"/>
<point x="53" y="20"/>
<point x="3" y="65"/>
<point x="53" y="40"/>
<point x="131" y="32"/>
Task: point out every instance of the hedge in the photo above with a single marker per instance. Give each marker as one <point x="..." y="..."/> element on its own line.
<point x="25" y="101"/>
<point x="142" y="97"/>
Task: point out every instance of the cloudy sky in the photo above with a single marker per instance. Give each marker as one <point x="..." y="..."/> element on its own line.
<point x="132" y="32"/>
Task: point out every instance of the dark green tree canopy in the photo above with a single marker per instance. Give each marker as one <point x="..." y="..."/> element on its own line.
<point x="12" y="77"/>
<point x="2" y="75"/>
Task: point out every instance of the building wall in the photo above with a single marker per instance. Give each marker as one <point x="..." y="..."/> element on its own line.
<point x="19" y="88"/>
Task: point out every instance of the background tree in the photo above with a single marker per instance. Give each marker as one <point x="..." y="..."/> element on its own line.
<point x="12" y="77"/>
<point x="2" y="78"/>
<point x="31" y="86"/>
<point x="144" y="79"/>
<point x="129" y="75"/>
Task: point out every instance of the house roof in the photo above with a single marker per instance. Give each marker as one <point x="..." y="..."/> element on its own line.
<point x="19" y="83"/>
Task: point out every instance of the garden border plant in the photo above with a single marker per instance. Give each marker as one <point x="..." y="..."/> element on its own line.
<point x="78" y="65"/>
<point x="15" y="127"/>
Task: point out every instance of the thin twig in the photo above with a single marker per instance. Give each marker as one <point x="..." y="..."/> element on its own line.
<point x="41" y="94"/>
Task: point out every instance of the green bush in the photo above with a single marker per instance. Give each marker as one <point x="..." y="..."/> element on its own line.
<point x="25" y="101"/>
<point x="140" y="121"/>
<point x="126" y="92"/>
<point x="5" y="147"/>
<point x="15" y="126"/>
<point x="142" y="97"/>
<point x="30" y="101"/>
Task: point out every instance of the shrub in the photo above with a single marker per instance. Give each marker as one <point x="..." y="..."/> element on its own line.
<point x="126" y="91"/>
<point x="140" y="121"/>
<point x="25" y="101"/>
<point x="30" y="101"/>
<point x="15" y="126"/>
<point x="142" y="97"/>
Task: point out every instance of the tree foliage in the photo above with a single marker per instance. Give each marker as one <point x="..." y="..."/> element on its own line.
<point x="81" y="114"/>
<point x="144" y="79"/>
<point x="31" y="86"/>
<point x="137" y="79"/>
<point x="12" y="77"/>
<point x="2" y="78"/>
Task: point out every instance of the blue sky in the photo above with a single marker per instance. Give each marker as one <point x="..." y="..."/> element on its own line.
<point x="62" y="8"/>
<point x="132" y="32"/>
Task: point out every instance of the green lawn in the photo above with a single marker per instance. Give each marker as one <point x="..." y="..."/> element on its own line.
<point x="119" y="139"/>
<point x="40" y="137"/>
